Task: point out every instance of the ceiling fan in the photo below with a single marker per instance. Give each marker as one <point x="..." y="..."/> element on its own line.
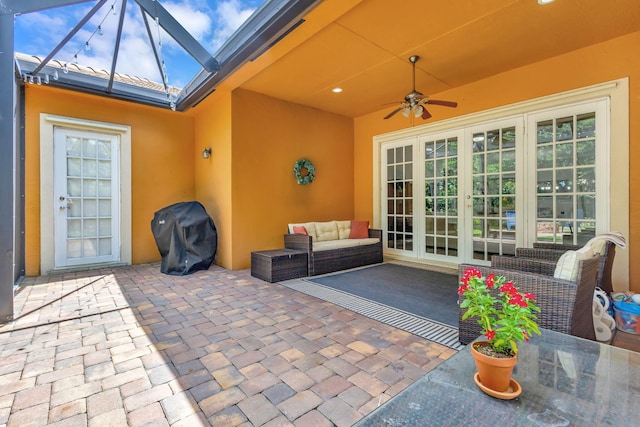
<point x="415" y="102"/>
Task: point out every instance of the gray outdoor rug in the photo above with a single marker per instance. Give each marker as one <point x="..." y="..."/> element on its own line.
<point x="419" y="301"/>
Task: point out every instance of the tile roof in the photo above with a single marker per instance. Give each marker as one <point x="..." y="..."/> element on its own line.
<point x="103" y="74"/>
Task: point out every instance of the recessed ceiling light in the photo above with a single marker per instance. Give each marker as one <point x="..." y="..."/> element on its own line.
<point x="336" y="90"/>
<point x="545" y="1"/>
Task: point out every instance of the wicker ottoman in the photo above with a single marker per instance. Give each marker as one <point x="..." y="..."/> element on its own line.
<point x="279" y="264"/>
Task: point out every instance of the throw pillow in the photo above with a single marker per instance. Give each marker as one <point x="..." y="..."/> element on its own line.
<point x="568" y="264"/>
<point x="300" y="229"/>
<point x="359" y="229"/>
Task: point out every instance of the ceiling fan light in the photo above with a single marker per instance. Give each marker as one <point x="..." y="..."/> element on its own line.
<point x="417" y="110"/>
<point x="406" y="111"/>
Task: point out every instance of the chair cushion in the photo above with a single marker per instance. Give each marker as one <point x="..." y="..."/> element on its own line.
<point x="569" y="263"/>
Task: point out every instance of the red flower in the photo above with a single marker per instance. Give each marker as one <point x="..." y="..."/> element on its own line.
<point x="472" y="272"/>
<point x="529" y="296"/>
<point x="508" y="288"/>
<point x="490" y="334"/>
<point x="462" y="288"/>
<point x="490" y="281"/>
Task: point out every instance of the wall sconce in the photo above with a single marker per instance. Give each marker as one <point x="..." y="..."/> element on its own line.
<point x="206" y="153"/>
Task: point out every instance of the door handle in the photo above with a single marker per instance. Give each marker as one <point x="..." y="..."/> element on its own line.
<point x="69" y="202"/>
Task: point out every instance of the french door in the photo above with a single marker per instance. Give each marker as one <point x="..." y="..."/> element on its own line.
<point x="491" y="189"/>
<point x="467" y="194"/>
<point x="86" y="198"/>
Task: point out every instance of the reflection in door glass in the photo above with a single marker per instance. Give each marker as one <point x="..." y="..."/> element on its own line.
<point x="566" y="179"/>
<point x="494" y="195"/>
<point x="441" y="196"/>
<point x="400" y="198"/>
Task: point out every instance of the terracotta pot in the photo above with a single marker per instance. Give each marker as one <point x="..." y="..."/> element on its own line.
<point x="494" y="372"/>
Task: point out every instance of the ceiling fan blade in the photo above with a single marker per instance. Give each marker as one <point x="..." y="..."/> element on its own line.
<point x="445" y="103"/>
<point x="393" y="112"/>
<point x="425" y="113"/>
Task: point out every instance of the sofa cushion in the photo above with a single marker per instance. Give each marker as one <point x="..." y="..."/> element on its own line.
<point x="300" y="229"/>
<point x="569" y="263"/>
<point x="342" y="243"/>
<point x="344" y="229"/>
<point x="327" y="231"/>
<point x="359" y="229"/>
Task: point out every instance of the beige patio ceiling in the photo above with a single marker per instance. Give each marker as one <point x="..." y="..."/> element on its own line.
<point x="365" y="51"/>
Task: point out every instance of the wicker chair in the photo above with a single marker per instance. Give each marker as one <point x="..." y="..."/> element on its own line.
<point x="543" y="257"/>
<point x="565" y="306"/>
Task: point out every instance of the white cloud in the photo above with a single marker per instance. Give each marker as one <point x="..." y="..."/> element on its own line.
<point x="196" y="21"/>
<point x="230" y="15"/>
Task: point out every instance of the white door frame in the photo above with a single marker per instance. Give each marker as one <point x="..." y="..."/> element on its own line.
<point x="48" y="122"/>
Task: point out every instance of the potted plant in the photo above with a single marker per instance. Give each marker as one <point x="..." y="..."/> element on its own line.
<point x="506" y="317"/>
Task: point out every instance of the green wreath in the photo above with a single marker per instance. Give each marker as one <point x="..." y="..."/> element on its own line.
<point x="301" y="165"/>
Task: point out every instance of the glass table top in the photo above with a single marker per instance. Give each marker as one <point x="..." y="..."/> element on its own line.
<point x="566" y="381"/>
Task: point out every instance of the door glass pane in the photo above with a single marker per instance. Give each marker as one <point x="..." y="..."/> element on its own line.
<point x="89" y="168"/>
<point x="74" y="248"/>
<point x="104" y="247"/>
<point x="74" y="167"/>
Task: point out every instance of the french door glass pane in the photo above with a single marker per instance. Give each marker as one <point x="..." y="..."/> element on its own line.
<point x="566" y="185"/>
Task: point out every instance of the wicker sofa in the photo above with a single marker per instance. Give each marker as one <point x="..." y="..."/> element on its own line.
<point x="332" y="246"/>
<point x="566" y="306"/>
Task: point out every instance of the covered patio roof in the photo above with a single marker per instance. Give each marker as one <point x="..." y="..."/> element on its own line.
<point x="363" y="48"/>
<point x="268" y="24"/>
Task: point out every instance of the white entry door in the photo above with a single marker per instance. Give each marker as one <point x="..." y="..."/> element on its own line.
<point x="86" y="198"/>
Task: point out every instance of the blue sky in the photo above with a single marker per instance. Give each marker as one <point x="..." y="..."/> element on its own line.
<point x="211" y="22"/>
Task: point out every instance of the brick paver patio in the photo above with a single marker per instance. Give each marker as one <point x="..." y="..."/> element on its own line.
<point x="132" y="346"/>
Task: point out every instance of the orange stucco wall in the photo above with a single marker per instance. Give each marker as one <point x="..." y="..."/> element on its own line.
<point x="603" y="62"/>
<point x="161" y="161"/>
<point x="213" y="175"/>
<point x="269" y="136"/>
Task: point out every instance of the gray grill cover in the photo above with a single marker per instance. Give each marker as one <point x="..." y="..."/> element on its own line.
<point x="186" y="238"/>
